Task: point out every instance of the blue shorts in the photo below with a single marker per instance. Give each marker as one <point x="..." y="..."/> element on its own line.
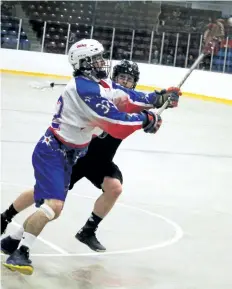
<point x="53" y="162"/>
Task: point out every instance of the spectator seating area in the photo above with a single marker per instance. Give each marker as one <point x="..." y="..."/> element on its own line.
<point x="131" y="14"/>
<point x="185" y="19"/>
<point x="129" y="24"/>
<point x="10" y="29"/>
<point x="58" y="14"/>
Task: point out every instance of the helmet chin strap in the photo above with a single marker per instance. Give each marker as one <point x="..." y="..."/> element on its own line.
<point x="91" y="76"/>
<point x="94" y="75"/>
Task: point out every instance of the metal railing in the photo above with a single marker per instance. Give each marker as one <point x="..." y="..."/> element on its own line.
<point x="167" y="48"/>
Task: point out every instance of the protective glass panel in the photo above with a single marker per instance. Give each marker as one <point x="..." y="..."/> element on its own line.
<point x="122" y="44"/>
<point x="156" y="48"/>
<point x="31" y="35"/>
<point x="55" y="37"/>
<point x="182" y="50"/>
<point x="194" y="45"/>
<point x="141" y="46"/>
<point x="9" y="31"/>
<point x="78" y="31"/>
<point x="222" y="61"/>
<point x="169" y="48"/>
<point x="104" y="35"/>
<point x="228" y="58"/>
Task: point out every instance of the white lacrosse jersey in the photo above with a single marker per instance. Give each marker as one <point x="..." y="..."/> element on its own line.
<point x="86" y="108"/>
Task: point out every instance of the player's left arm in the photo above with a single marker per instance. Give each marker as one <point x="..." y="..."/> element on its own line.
<point x="132" y="101"/>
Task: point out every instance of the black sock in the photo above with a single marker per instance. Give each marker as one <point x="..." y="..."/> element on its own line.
<point x="92" y="222"/>
<point x="10" y="213"/>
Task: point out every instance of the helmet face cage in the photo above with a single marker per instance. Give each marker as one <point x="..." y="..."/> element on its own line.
<point x="95" y="66"/>
<point x="126" y="67"/>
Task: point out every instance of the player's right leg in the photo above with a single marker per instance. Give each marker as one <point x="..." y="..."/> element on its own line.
<point x="10" y="243"/>
<point x="33" y="226"/>
<point x="25" y="200"/>
<point x="52" y="173"/>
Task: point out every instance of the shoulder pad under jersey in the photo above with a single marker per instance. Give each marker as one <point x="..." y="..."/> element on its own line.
<point x="87" y="87"/>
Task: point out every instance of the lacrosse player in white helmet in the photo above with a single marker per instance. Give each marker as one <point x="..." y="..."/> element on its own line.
<point x="84" y="109"/>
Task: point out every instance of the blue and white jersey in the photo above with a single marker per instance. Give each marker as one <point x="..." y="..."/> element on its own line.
<point x="86" y="108"/>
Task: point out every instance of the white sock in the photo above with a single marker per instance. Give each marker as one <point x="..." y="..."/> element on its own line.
<point x="17" y="235"/>
<point x="27" y="240"/>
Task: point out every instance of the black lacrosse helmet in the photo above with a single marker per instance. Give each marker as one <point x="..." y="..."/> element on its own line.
<point x="127" y="67"/>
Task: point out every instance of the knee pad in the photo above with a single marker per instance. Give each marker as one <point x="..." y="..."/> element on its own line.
<point x="48" y="211"/>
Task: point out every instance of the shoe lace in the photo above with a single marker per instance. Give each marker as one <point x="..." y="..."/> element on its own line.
<point x="27" y="255"/>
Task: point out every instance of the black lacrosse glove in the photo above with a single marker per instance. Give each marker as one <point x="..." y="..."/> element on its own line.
<point x="152" y="122"/>
<point x="172" y="94"/>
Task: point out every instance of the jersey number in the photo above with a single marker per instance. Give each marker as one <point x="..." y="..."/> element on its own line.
<point x="57" y="116"/>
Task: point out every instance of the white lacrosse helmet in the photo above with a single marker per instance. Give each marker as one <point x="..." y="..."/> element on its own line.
<point x="86" y="56"/>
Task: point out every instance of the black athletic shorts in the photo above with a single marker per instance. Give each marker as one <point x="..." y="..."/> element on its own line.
<point x="98" y="162"/>
<point x="94" y="171"/>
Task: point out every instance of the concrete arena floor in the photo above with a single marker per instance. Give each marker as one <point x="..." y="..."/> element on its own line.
<point x="171" y="228"/>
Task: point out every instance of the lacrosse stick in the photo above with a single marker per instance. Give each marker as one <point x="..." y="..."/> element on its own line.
<point x="214" y="34"/>
<point x="45" y="85"/>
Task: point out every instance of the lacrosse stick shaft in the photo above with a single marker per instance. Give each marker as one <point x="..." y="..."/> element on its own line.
<point x="56" y="84"/>
<point x="195" y="64"/>
<point x="44" y="85"/>
<point x="52" y="84"/>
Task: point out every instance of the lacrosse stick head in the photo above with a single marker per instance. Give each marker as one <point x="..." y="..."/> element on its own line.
<point x="213" y="36"/>
<point x="42" y="85"/>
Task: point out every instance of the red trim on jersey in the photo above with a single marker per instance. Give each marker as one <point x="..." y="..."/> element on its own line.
<point x="104" y="84"/>
<point x="133" y="108"/>
<point x="120" y="131"/>
<point x="125" y="105"/>
<point x="65" y="142"/>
